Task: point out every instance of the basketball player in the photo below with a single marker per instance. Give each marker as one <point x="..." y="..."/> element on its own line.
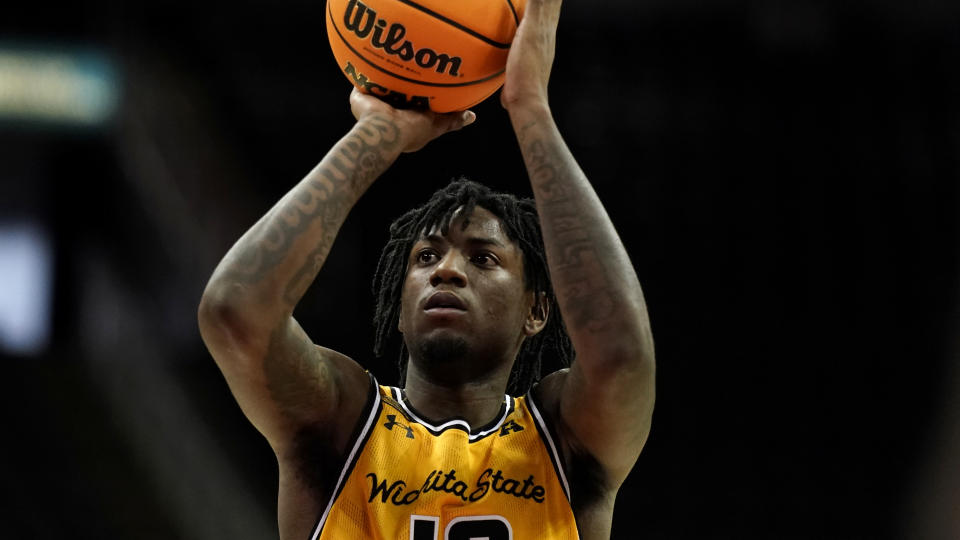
<point x="464" y="280"/>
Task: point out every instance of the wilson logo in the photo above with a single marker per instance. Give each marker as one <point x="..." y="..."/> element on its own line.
<point x="363" y="22"/>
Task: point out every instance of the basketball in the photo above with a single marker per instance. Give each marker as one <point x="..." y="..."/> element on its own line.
<point x="436" y="54"/>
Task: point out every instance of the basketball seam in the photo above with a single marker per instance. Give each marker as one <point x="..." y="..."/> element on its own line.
<point x="513" y="10"/>
<point x="401" y="77"/>
<point x="457" y="25"/>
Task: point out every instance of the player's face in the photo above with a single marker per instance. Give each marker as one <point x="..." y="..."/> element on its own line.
<point x="464" y="296"/>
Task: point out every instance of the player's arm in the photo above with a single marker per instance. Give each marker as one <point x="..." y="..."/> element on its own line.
<point x="604" y="402"/>
<point x="281" y="380"/>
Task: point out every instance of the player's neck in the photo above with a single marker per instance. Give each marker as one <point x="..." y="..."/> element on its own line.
<point x="478" y="402"/>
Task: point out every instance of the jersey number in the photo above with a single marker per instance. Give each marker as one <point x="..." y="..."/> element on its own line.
<point x="461" y="528"/>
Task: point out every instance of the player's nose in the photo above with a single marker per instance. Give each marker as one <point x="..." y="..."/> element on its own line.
<point x="449" y="270"/>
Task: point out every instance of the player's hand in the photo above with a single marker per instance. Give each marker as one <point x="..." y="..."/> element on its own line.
<point x="531" y="55"/>
<point x="416" y="128"/>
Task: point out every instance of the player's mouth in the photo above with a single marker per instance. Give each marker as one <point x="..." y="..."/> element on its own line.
<point x="444" y="303"/>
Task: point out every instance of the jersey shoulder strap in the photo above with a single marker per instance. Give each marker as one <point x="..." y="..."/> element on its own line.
<point x="360" y="435"/>
<point x="550" y="440"/>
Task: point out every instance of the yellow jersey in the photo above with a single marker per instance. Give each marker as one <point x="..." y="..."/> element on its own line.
<point x="408" y="479"/>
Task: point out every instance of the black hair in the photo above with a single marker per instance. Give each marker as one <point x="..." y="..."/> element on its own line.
<point x="522" y="226"/>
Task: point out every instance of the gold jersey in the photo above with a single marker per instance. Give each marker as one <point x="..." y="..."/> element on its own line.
<point x="408" y="479"/>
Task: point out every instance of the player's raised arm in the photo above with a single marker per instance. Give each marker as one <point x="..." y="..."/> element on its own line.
<point x="605" y="401"/>
<point x="281" y="380"/>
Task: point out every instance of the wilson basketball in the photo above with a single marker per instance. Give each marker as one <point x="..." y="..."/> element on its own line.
<point x="437" y="54"/>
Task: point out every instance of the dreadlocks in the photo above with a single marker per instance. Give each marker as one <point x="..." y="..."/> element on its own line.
<point x="519" y="217"/>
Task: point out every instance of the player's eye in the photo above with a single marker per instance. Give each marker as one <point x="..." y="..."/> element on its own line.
<point x="426" y="256"/>
<point x="485" y="259"/>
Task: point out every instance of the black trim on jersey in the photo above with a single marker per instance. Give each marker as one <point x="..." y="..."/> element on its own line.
<point x="367" y="418"/>
<point x="550" y="441"/>
<point x="392" y="400"/>
<point x="457" y="422"/>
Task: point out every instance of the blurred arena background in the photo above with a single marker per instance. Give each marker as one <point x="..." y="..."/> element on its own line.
<point x="784" y="174"/>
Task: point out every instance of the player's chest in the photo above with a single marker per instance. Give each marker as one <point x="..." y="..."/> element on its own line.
<point x="404" y="462"/>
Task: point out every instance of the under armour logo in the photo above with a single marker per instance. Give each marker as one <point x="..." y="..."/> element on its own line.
<point x="393" y="422"/>
<point x="510" y="427"/>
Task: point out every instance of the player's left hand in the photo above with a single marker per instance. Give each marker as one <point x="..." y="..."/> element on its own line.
<point x="531" y="55"/>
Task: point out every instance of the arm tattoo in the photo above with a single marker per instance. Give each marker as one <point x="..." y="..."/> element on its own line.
<point x="293" y="375"/>
<point x="327" y="194"/>
<point x="575" y="238"/>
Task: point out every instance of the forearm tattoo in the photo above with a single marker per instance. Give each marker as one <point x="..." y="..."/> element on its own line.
<point x="574" y="237"/>
<point x="327" y="194"/>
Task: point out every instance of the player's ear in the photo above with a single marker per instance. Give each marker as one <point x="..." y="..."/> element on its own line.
<point x="400" y="321"/>
<point x="538" y="314"/>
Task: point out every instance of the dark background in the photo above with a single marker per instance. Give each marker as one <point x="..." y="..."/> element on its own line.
<point x="783" y="174"/>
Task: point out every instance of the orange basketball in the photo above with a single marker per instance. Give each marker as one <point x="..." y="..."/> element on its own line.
<point x="437" y="54"/>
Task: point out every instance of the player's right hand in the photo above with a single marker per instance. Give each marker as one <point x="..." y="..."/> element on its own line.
<point x="417" y="128"/>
